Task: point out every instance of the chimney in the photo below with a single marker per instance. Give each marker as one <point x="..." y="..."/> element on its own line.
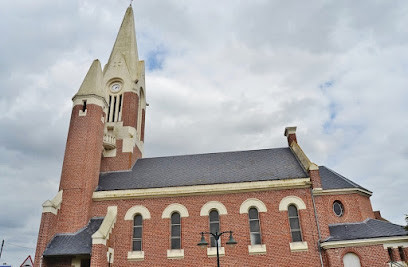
<point x="290" y="133"/>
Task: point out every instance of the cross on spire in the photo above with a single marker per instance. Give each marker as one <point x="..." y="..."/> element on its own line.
<point x="130" y="2"/>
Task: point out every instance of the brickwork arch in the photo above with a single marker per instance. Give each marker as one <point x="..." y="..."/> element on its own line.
<point x="286" y="201"/>
<point x="172" y="208"/>
<point x="252" y="202"/>
<point x="139" y="209"/>
<point x="207" y="207"/>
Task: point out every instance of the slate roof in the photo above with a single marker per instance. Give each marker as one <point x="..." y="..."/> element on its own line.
<point x="79" y="243"/>
<point x="370" y="228"/>
<point x="332" y="180"/>
<point x="204" y="169"/>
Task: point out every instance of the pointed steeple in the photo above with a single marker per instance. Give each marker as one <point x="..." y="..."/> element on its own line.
<point x="125" y="44"/>
<point x="92" y="84"/>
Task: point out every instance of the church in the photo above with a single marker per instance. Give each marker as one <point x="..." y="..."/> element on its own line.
<point x="274" y="206"/>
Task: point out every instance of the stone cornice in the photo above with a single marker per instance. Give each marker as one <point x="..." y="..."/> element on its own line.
<point x="202" y="189"/>
<point x="363" y="242"/>
<point x="344" y="191"/>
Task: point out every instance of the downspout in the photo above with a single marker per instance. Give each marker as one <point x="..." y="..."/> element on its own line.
<point x="318" y="228"/>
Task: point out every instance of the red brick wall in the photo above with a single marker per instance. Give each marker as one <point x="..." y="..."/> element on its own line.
<point x="315" y="178"/>
<point x="369" y="255"/>
<point x="357" y="208"/>
<point x="98" y="257"/>
<point x="130" y="109"/>
<point x="80" y="170"/>
<point x="291" y="138"/>
<point x="122" y="161"/>
<point x="156" y="231"/>
<point x="46" y="232"/>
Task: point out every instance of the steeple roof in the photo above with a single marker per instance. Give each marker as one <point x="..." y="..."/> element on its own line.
<point x="125" y="43"/>
<point x="92" y="84"/>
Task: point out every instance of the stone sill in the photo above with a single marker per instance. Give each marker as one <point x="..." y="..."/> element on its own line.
<point x="257" y="249"/>
<point x="298" y="246"/>
<point x="135" y="255"/>
<point x="212" y="251"/>
<point x="175" y="253"/>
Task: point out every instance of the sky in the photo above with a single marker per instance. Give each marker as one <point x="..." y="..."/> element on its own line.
<point x="220" y="76"/>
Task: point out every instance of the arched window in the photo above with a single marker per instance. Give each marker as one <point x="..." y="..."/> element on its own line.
<point x="351" y="260"/>
<point x="175" y="238"/>
<point x="214" y="226"/>
<point x="254" y="226"/>
<point x="137" y="232"/>
<point x="294" y="223"/>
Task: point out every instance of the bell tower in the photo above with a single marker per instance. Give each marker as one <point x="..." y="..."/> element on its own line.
<point x="124" y="84"/>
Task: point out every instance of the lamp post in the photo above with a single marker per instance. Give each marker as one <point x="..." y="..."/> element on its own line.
<point x="217" y="236"/>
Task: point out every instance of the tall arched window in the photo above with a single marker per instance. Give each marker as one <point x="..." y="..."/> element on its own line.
<point x="137" y="232"/>
<point x="175" y="238"/>
<point x="254" y="226"/>
<point x="214" y="226"/>
<point x="294" y="223"/>
<point x="351" y="260"/>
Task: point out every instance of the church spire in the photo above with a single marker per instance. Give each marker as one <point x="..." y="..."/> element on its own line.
<point x="125" y="44"/>
<point x="92" y="84"/>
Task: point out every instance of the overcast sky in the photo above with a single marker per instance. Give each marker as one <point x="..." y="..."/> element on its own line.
<point x="220" y="76"/>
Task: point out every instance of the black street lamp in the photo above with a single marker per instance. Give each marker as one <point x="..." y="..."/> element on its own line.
<point x="217" y="236"/>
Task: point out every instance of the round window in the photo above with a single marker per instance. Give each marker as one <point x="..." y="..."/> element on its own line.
<point x="338" y="208"/>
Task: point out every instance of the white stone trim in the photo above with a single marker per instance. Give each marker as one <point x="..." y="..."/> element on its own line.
<point x="172" y="208"/>
<point x="344" y="191"/>
<point x="142" y="210"/>
<point x="290" y="130"/>
<point x="83" y="113"/>
<point x="364" y="242"/>
<point x="54" y="204"/>
<point x="110" y="251"/>
<point x="252" y="202"/>
<point x="212" y="251"/>
<point x="135" y="255"/>
<point x="175" y="253"/>
<point x="396" y="245"/>
<point x="286" y="201"/>
<point x="298" y="246"/>
<point x="257" y="249"/>
<point x="202" y="189"/>
<point x="90" y="100"/>
<point x="102" y="234"/>
<point x="301" y="156"/>
<point x="210" y="205"/>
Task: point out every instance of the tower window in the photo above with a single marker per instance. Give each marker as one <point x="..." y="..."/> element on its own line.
<point x="401" y="253"/>
<point x="115" y="108"/>
<point x="175" y="238"/>
<point x="254" y="226"/>
<point x="294" y="223"/>
<point x="83" y="106"/>
<point x="137" y="232"/>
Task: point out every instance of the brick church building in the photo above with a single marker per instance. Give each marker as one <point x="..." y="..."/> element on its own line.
<point x="116" y="208"/>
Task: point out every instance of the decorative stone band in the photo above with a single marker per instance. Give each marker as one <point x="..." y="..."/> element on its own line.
<point x="319" y="191"/>
<point x="102" y="234"/>
<point x="202" y="189"/>
<point x="90" y="99"/>
<point x="175" y="253"/>
<point x="54" y="204"/>
<point x="402" y="240"/>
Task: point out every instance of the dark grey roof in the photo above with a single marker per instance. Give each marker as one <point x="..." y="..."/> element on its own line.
<point x="370" y="228"/>
<point x="79" y="243"/>
<point x="332" y="180"/>
<point x="203" y="169"/>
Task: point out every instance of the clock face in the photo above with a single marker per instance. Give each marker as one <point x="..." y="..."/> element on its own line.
<point x="115" y="87"/>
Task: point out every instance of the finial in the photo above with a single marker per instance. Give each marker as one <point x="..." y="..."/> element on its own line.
<point x="130" y="2"/>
